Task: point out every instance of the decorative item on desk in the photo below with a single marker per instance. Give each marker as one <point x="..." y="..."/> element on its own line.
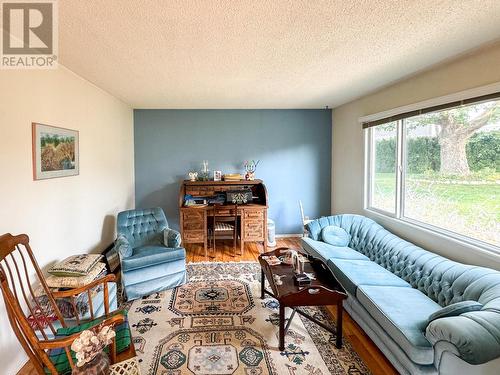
<point x="204" y="172"/>
<point x="193" y="176"/>
<point x="232" y="177"/>
<point x="242" y="196"/>
<point x="217" y="175"/>
<point x="89" y="350"/>
<point x="250" y="168"/>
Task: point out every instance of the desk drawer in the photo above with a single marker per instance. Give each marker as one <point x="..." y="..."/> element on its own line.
<point x="194" y="235"/>
<point x="225" y="212"/>
<point x="193" y="225"/>
<point x="193" y="215"/>
<point x="253" y="230"/>
<point x="254" y="214"/>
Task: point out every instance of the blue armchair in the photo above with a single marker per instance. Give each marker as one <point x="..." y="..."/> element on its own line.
<point x="151" y="255"/>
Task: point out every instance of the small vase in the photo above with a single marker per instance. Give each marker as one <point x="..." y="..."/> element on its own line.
<point x="250" y="176"/>
<point x="97" y="366"/>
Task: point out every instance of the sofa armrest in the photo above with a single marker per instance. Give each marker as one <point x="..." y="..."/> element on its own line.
<point x="123" y="247"/>
<point x="171" y="238"/>
<point x="475" y="335"/>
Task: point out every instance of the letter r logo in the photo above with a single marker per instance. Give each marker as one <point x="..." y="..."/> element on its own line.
<point x="27" y="28"/>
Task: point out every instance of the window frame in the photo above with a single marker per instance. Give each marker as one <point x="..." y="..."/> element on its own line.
<point x="400" y="167"/>
<point x="370" y="169"/>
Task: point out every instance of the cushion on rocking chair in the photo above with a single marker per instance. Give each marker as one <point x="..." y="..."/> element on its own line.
<point x="58" y="356"/>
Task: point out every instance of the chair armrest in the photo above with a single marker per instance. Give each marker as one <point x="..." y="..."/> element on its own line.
<point x="171" y="238"/>
<point x="72" y="293"/>
<point x="123" y="247"/>
<point x="476" y="335"/>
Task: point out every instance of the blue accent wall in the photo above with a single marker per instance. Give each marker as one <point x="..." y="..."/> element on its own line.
<point x="294" y="148"/>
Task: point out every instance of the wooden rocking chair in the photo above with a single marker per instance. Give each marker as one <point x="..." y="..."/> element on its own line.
<point x="52" y="355"/>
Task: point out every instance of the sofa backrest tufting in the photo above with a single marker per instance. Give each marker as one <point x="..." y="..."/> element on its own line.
<point x="142" y="227"/>
<point x="441" y="279"/>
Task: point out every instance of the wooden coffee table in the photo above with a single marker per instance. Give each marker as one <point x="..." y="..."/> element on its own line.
<point x="325" y="290"/>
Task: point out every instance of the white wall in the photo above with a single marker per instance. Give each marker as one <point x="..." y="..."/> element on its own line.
<point x="473" y="70"/>
<point x="69" y="215"/>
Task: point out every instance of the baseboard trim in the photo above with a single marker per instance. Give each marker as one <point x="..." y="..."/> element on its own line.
<point x="289" y="235"/>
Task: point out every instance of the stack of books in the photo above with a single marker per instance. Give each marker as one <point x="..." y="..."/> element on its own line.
<point x="233" y="177"/>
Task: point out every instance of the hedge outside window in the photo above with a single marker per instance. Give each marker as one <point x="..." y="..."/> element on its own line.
<point x="449" y="170"/>
<point x="383" y="166"/>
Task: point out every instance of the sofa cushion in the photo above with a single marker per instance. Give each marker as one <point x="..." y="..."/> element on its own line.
<point x="336" y="236"/>
<point x="456" y="309"/>
<point x="150" y="255"/>
<point x="324" y="251"/>
<point x="352" y="273"/>
<point x="403" y="314"/>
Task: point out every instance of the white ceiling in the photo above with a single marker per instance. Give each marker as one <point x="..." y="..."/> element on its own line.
<point x="263" y="54"/>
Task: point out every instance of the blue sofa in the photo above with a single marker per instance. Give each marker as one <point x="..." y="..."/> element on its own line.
<point x="151" y="255"/>
<point x="394" y="286"/>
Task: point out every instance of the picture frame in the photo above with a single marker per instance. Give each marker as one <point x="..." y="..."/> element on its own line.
<point x="55" y="151"/>
<point x="217" y="175"/>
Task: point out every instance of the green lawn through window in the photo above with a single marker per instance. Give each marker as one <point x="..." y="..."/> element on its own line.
<point x="470" y="208"/>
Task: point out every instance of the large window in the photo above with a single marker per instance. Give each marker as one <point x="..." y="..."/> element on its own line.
<point x="439" y="169"/>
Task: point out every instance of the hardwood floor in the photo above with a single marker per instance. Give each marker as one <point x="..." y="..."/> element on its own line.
<point x="371" y="355"/>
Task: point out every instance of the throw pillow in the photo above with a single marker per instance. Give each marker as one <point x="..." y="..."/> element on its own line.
<point x="456" y="309"/>
<point x="335" y="236"/>
<point x="76" y="281"/>
<point x="76" y="265"/>
<point x="171" y="238"/>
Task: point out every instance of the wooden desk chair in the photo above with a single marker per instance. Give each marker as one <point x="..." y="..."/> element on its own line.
<point x="51" y="355"/>
<point x="224" y="223"/>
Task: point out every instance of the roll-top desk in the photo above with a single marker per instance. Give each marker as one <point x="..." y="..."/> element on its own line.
<point x="252" y="216"/>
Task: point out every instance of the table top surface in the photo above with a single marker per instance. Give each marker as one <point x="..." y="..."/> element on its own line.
<point x="325" y="281"/>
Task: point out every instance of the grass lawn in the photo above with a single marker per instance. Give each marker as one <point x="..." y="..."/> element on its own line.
<point x="472" y="210"/>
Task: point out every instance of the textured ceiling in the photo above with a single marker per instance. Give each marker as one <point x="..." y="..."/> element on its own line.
<point x="263" y="54"/>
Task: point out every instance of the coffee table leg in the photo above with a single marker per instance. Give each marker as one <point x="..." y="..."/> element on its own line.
<point x="340" y="308"/>
<point x="262" y="284"/>
<point x="282" y="328"/>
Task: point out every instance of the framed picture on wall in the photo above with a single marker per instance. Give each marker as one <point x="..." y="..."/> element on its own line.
<point x="217" y="175"/>
<point x="55" y="151"/>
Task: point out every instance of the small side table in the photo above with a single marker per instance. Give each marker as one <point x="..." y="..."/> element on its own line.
<point x="128" y="367"/>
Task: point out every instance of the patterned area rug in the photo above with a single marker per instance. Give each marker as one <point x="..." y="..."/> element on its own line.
<point x="217" y="324"/>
